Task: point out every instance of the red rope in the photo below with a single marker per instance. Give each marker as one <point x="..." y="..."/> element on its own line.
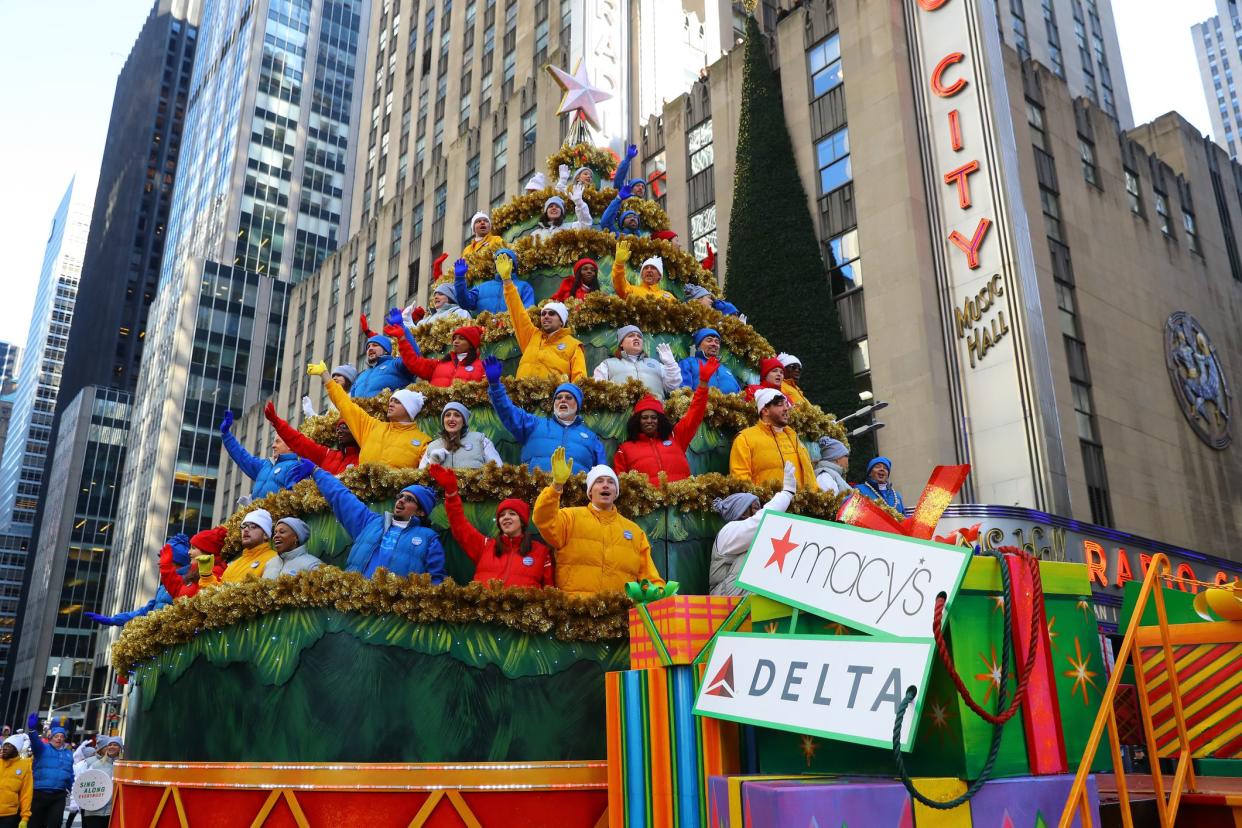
<point x="1037" y="621"/>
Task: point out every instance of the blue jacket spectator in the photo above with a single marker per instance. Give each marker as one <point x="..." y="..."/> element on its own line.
<point x="540" y="436"/>
<point x="398" y="541"/>
<point x="268" y="476"/>
<point x="707" y="343"/>
<point x="386" y="373"/>
<point x="489" y="296"/>
<point x="53" y="766"/>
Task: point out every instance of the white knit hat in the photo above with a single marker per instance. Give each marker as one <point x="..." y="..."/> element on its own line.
<point x="597" y="472"/>
<point x="788" y="359"/>
<point x="538" y="181"/>
<point x="411" y="401"/>
<point x="477" y="216"/>
<point x="261" y="518"/>
<point x="561" y="311"/>
<point x="656" y="262"/>
<point x="764" y="396"/>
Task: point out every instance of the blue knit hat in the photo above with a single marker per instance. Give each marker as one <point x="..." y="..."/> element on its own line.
<point x="888" y="464"/>
<point x="571" y="388"/>
<point x="426" y="497"/>
<point x="703" y="333"/>
<point x="621" y="220"/>
<point x="382" y="341"/>
<point x="512" y="254"/>
<point x="635" y="181"/>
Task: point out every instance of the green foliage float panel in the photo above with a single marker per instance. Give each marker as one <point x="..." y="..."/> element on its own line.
<point x="324" y="686"/>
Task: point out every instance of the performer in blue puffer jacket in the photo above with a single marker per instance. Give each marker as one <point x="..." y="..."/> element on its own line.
<point x="268" y="476"/>
<point x="490" y="295"/>
<point x="540" y="436"/>
<point x="707" y="342"/>
<point x="53" y="773"/>
<point x="629" y="223"/>
<point x="620" y="178"/>
<point x="399" y="541"/>
<point x="384" y="372"/>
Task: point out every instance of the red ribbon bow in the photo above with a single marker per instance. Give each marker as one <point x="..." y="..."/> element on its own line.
<point x="944" y="483"/>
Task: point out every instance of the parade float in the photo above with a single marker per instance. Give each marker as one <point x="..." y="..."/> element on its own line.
<point x="877" y="674"/>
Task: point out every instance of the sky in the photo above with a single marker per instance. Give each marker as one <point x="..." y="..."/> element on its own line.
<point x="66" y="56"/>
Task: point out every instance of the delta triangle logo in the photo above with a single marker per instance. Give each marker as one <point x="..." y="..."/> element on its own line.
<point x="722" y="684"/>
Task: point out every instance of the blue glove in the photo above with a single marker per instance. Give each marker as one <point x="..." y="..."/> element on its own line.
<point x="493" y="367"/>
<point x="727" y="308"/>
<point x="100" y="619"/>
<point x="226" y="423"/>
<point x="304" y="469"/>
<point x="393" y="317"/>
<point x="460" y="268"/>
<point x="32" y="722"/>
<point x="631" y="151"/>
<point x="626" y="191"/>
<point x="180" y="542"/>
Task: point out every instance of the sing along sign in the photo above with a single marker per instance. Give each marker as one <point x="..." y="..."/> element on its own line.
<point x="839" y="687"/>
<point x="871" y="581"/>
<point x="991" y="316"/>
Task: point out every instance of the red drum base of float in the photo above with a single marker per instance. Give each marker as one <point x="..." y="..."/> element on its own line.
<point x="483" y="795"/>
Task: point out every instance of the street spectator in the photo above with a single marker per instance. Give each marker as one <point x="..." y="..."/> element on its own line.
<point x="52" y="772"/>
<point x="399" y="541"/>
<point x="879" y="487"/>
<point x="654" y="445"/>
<point x="457" y="446"/>
<point x="539" y="436"/>
<point x="397" y="441"/>
<point x="630" y="361"/>
<point x="597" y="549"/>
<point x="742" y="515"/>
<point x="16" y="785"/>
<point x="707" y="346"/>
<point x="759" y="453"/>
<point x="335" y="460"/>
<point x="512" y="556"/>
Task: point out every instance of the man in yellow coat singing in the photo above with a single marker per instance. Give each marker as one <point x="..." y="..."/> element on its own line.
<point x="548" y="350"/>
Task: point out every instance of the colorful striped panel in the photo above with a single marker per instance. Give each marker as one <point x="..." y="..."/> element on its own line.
<point x="684" y="623"/>
<point x="1209" y="678"/>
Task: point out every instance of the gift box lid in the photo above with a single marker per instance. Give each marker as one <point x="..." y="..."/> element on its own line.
<point x="1057" y="577"/>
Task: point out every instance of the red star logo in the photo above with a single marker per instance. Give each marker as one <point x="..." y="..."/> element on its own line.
<point x="780" y="548"/>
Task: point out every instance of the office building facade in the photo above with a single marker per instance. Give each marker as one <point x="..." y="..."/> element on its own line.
<point x="264" y="177"/>
<point x="10" y="358"/>
<point x="1218" y="49"/>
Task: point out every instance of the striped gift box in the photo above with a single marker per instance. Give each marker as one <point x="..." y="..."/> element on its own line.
<point x="683" y="623"/>
<point x="660" y="755"/>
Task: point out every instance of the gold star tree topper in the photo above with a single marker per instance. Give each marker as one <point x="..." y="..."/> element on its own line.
<point x="580" y="94"/>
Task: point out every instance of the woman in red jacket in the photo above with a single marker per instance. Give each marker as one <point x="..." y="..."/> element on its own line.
<point x="585" y="280"/>
<point x="207" y="542"/>
<point x="771" y="375"/>
<point x="462" y="362"/>
<point x="656" y="445"/>
<point x="513" y="556"/>
<point x="332" y="460"/>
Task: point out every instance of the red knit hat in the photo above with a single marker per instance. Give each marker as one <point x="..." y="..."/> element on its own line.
<point x="585" y="260"/>
<point x="667" y="235"/>
<point x="769" y="364"/>
<point x="210" y="541"/>
<point x="471" y="333"/>
<point x="519" y="506"/>
<point x="648" y="403"/>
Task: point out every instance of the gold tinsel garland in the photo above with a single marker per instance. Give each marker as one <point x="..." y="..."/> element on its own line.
<point x="529" y="205"/>
<point x="600" y="617"/>
<point x="601" y="161"/>
<point x="376" y="483"/>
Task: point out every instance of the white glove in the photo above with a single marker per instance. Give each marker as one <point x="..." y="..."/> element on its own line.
<point x="308" y="408"/>
<point x="790" y="483"/>
<point x="741" y="317"/>
<point x="577" y="192"/>
<point x="438" y="456"/>
<point x="563" y="170"/>
<point x="665" y="352"/>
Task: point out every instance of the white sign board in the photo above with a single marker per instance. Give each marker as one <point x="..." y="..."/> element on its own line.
<point x="871" y="581"/>
<point x="838" y="687"/>
<point x="92" y="789"/>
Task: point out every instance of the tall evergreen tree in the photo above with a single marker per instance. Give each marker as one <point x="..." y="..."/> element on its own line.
<point x="776" y="274"/>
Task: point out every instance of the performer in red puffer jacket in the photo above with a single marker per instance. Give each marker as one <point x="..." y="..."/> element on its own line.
<point x="332" y="460"/>
<point x="180" y="573"/>
<point x="513" y="556"/>
<point x="462" y="362"/>
<point x="656" y="445"/>
<point x="585" y="280"/>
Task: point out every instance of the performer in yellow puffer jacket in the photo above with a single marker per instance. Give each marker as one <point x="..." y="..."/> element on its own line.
<point x="649" y="276"/>
<point x="258" y="559"/>
<point x="16" y="783"/>
<point x="759" y="453"/>
<point x="597" y="550"/>
<point x="397" y="441"/>
<point x="549" y="350"/>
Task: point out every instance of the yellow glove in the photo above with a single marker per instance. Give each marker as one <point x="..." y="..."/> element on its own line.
<point x="205" y="565"/>
<point x="21" y="824"/>
<point x="561" y="468"/>
<point x="504" y="266"/>
<point x="317" y="368"/>
<point x="623" y="252"/>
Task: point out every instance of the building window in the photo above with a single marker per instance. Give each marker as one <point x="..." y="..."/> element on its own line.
<point x="1192" y="231"/>
<point x="500" y="152"/>
<point x="529" y="123"/>
<point x="832" y="155"/>
<point x="703" y="230"/>
<point x="844" y="266"/>
<point x="1162" y="213"/>
<point x="700" y="145"/>
<point x="1097" y="483"/>
<point x="1090" y="173"/>
<point x="472" y="174"/>
<point x="1133" y="193"/>
<point x="656" y="175"/>
<point x="440" y="202"/>
<point x="394" y="246"/>
<point x="1035" y="117"/>
<point x="1051" y="205"/>
<point x="825" y="61"/>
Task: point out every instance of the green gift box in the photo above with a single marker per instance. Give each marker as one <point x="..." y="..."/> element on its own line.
<point x="951" y="739"/>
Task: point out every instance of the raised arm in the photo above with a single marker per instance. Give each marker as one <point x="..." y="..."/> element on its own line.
<point x="523" y="329"/>
<point x="360" y="422"/>
<point x="490" y="455"/>
<point x="516" y="421"/>
<point x="552" y="523"/>
<point x="689" y="424"/>
<point x="467" y="297"/>
<point x="582" y="213"/>
<point x="623" y="168"/>
<point x="670" y="376"/>
<point x="620" y="283"/>
<point x="250" y="465"/>
<point x="352" y="513"/>
<point x="418" y="365"/>
<point x="609" y="217"/>
<point x="302" y="445"/>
